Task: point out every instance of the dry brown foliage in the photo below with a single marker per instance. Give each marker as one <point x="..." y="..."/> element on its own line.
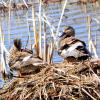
<point x="63" y="81"/>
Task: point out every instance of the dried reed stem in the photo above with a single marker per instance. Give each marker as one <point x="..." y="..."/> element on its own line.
<point x="45" y="44"/>
<point x="40" y="30"/>
<point x="9" y="22"/>
<point x="4" y="65"/>
<point x="91" y="44"/>
<point x="64" y="6"/>
<point x="88" y="94"/>
<point x="94" y="49"/>
<point x="29" y="36"/>
<point x="89" y="32"/>
<point x="52" y="28"/>
<point x="36" y="36"/>
<point x="50" y="52"/>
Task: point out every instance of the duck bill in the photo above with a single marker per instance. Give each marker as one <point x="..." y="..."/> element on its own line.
<point x="62" y="36"/>
<point x="57" y="42"/>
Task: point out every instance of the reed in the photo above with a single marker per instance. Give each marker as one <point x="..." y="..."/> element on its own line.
<point x="52" y="28"/>
<point x="45" y="44"/>
<point x="92" y="47"/>
<point x="36" y="35"/>
<point x="29" y="35"/>
<point x="4" y="64"/>
<point x="62" y="13"/>
<point x="40" y="29"/>
<point x="89" y="32"/>
<point x="48" y="48"/>
<point x="88" y="23"/>
<point x="50" y="52"/>
<point x="9" y="22"/>
<point x="1" y="41"/>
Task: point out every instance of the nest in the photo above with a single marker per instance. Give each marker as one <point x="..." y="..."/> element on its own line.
<point x="63" y="81"/>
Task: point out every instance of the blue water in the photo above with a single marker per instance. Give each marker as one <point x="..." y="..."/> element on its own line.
<point x="1" y="81"/>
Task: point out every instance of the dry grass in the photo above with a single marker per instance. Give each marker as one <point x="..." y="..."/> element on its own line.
<point x="64" y="81"/>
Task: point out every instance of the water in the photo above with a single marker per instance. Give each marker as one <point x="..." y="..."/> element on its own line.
<point x="1" y="81"/>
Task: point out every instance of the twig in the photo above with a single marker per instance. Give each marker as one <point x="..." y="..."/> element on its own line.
<point x="97" y="93"/>
<point x="25" y="3"/>
<point x="88" y="94"/>
<point x="45" y="93"/>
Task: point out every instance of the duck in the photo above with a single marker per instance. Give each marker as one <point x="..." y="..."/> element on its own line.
<point x="71" y="47"/>
<point x="16" y="52"/>
<point x="22" y="57"/>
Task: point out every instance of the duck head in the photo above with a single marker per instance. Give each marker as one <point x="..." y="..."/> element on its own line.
<point x="18" y="44"/>
<point x="68" y="32"/>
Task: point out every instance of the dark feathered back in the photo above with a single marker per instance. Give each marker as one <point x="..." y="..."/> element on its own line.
<point x="18" y="44"/>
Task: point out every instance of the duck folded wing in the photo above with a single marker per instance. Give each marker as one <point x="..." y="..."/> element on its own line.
<point x="18" y="56"/>
<point x="33" y="60"/>
<point x="77" y="49"/>
<point x="73" y="52"/>
<point x="83" y="50"/>
<point x="70" y="41"/>
<point x="27" y="61"/>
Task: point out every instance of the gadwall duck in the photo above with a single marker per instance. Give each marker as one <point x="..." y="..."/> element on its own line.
<point x="69" y="46"/>
<point x="17" y="54"/>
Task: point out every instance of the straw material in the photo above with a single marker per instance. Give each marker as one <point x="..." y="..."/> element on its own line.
<point x="63" y="81"/>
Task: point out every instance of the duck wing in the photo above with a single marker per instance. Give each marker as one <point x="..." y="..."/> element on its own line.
<point x="75" y="52"/>
<point x="18" y="56"/>
<point x="70" y="41"/>
<point x="31" y="60"/>
<point x="73" y="47"/>
<point x="83" y="51"/>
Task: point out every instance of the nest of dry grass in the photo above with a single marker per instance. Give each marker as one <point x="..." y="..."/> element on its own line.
<point x="64" y="81"/>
